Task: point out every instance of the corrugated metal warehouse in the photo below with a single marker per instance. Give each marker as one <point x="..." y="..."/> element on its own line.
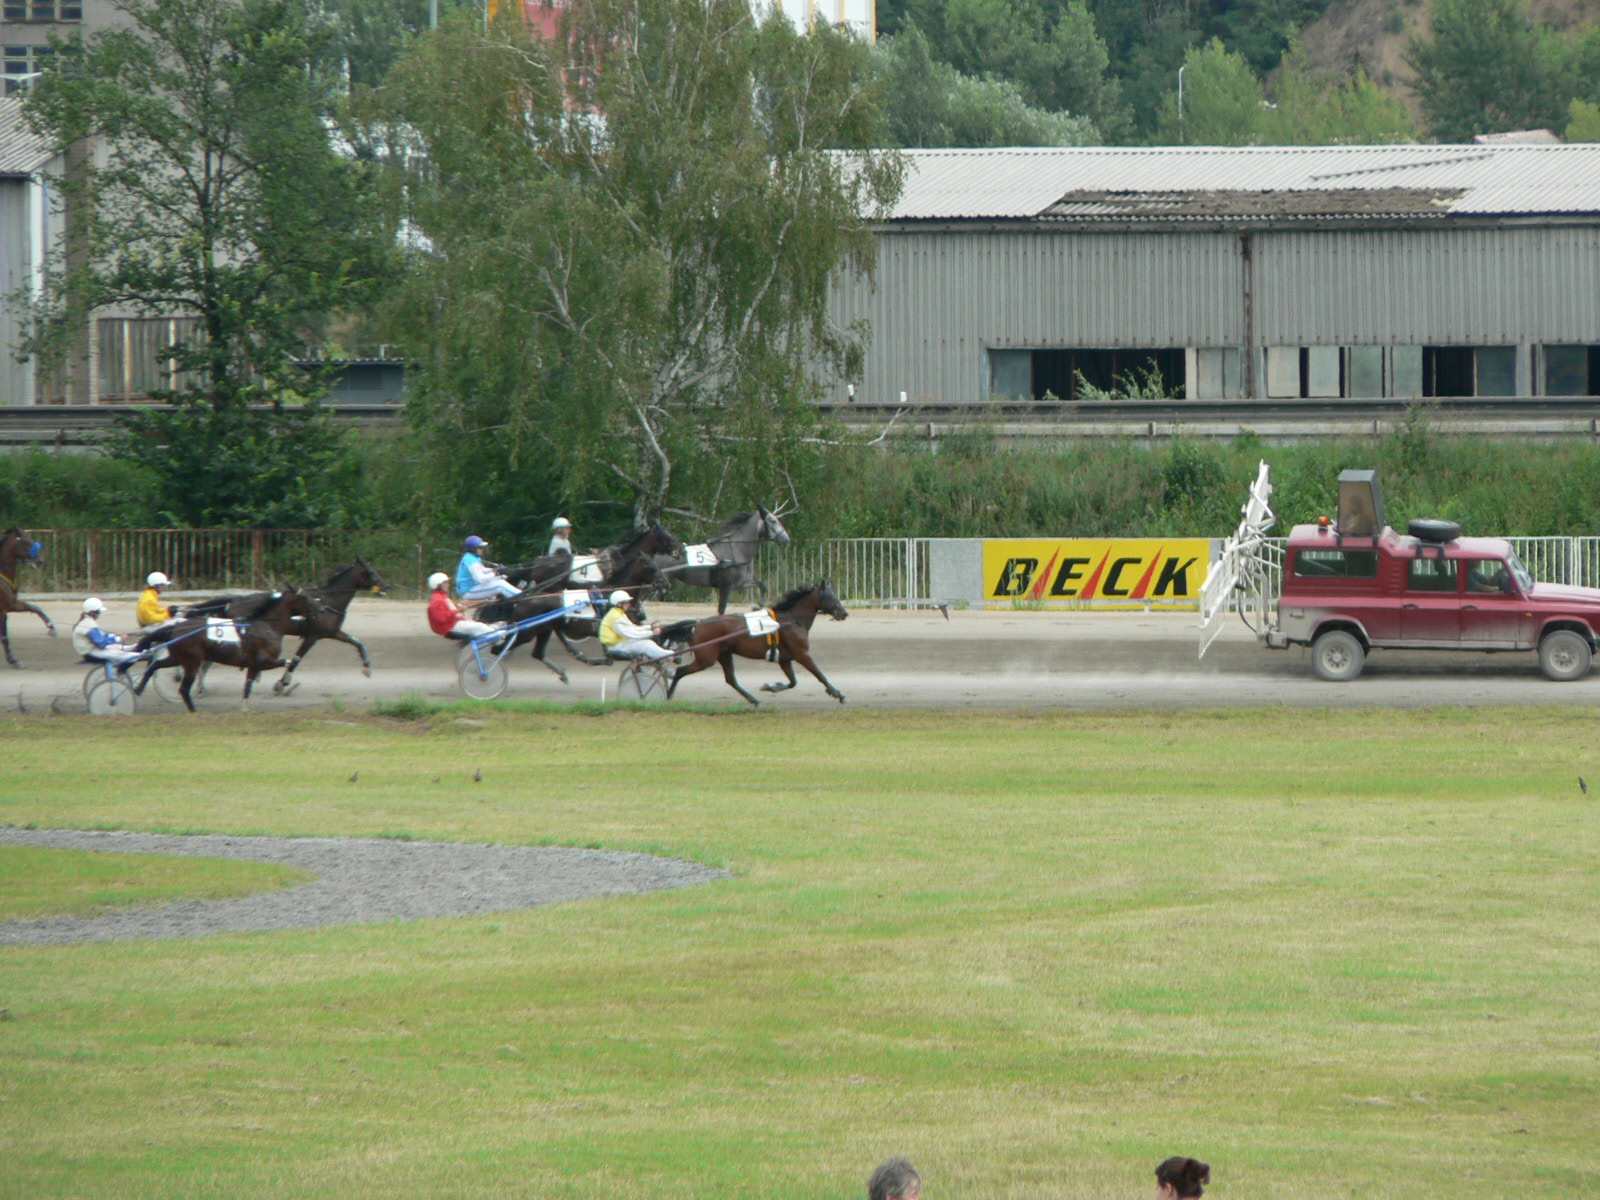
<point x="1259" y="272"/>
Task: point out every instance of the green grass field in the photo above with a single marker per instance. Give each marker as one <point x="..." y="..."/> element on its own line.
<point x="1335" y="953"/>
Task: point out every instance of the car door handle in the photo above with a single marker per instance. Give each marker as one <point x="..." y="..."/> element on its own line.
<point x="1411" y="606"/>
<point x="1469" y="608"/>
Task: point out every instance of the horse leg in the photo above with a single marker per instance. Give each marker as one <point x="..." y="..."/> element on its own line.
<point x="6" y="642"/>
<point x="191" y="670"/>
<point x="804" y="659"/>
<point x="788" y="670"/>
<point x="539" y="644"/>
<point x="699" y="663"/>
<point x="578" y="654"/>
<point x="727" y="673"/>
<point x="249" y="681"/>
<point x="342" y="636"/>
<point x="722" y="598"/>
<point x="285" y="684"/>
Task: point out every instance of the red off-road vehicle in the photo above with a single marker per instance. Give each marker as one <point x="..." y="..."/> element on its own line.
<point x="1355" y="585"/>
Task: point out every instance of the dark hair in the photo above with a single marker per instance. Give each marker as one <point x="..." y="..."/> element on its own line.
<point x="892" y="1178"/>
<point x="1186" y="1175"/>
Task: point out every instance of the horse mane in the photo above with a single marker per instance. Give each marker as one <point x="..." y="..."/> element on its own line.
<point x="261" y="609"/>
<point x="630" y="542"/>
<point x="795" y="596"/>
<point x="333" y="579"/>
<point x="729" y="524"/>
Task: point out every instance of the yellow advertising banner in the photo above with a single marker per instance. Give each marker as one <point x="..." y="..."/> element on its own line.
<point x="1139" y="571"/>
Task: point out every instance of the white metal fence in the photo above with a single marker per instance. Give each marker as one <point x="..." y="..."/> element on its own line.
<point x="889" y="572"/>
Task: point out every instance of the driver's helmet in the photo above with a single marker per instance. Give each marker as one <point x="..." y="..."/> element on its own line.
<point x="94" y="606"/>
<point x="560" y="523"/>
<point x="157" y="579"/>
<point x="437" y="580"/>
<point x="620" y="598"/>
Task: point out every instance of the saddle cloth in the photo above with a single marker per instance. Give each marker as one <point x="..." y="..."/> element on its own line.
<point x="569" y="598"/>
<point x="699" y="556"/>
<point x="585" y="569"/>
<point x="220" y="630"/>
<point x="761" y="623"/>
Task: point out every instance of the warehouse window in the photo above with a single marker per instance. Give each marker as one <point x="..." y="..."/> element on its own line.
<point x="136" y="356"/>
<point x="43" y="10"/>
<point x="1469" y="370"/>
<point x="1304" y="371"/>
<point x="1571" y="370"/>
<point x="1062" y="374"/>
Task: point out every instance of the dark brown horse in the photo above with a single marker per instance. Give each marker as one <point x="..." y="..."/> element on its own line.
<point x="17" y="547"/>
<point x="720" y="638"/>
<point x="552" y="572"/>
<point x="329" y="602"/>
<point x="255" y="644"/>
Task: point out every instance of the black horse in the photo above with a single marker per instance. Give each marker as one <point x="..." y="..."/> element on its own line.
<point x="553" y="572"/>
<point x="254" y="645"/>
<point x="17" y="547"/>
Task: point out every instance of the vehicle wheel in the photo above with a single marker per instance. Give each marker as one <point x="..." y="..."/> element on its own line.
<point x="1337" y="656"/>
<point x="485" y="684"/>
<point x="647" y="685"/>
<point x="112" y="697"/>
<point x="165" y="684"/>
<point x="1564" y="655"/>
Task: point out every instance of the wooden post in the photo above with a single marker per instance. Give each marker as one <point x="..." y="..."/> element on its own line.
<point x="257" y="560"/>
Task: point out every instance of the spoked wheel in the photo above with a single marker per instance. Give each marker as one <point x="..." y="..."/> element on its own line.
<point x="484" y="684"/>
<point x="165" y="684"/>
<point x="646" y="684"/>
<point x="112" y="697"/>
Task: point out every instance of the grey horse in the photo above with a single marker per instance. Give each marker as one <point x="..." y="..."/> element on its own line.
<point x="735" y="547"/>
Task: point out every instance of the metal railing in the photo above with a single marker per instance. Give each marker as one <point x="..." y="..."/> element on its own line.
<point x="890" y="572"/>
<point x="80" y="561"/>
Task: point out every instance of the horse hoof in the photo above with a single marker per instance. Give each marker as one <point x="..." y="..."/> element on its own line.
<point x="367" y="671"/>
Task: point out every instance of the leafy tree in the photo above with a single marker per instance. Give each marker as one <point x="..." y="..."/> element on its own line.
<point x="624" y="247"/>
<point x="1311" y="111"/>
<point x="1222" y="101"/>
<point x="217" y="195"/>
<point x="1083" y="83"/>
<point x="1486" y="67"/>
<point x="932" y="104"/>
<point x="1583" y="122"/>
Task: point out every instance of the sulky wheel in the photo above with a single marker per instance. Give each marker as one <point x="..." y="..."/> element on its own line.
<point x="112" y="697"/>
<point x="485" y="683"/>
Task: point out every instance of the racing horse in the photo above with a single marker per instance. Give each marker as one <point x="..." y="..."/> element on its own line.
<point x="735" y="548"/>
<point x="256" y="644"/>
<point x="553" y="571"/>
<point x="635" y="575"/>
<point x="328" y="603"/>
<point x="719" y="638"/>
<point x="17" y="547"/>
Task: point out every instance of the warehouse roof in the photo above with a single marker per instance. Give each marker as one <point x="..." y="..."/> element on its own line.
<point x="21" y="151"/>
<point x="1210" y="183"/>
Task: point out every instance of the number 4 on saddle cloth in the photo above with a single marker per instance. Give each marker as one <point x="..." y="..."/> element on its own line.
<point x="763" y="624"/>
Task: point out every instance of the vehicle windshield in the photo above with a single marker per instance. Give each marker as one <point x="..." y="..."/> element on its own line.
<point x="1524" y="580"/>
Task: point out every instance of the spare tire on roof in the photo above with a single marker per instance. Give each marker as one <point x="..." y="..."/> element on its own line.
<point x="1428" y="529"/>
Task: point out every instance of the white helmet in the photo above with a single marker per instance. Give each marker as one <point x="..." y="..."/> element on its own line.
<point x="437" y="580"/>
<point x="561" y="523"/>
<point x="619" y="598"/>
<point x="94" y="605"/>
<point x="157" y="579"/>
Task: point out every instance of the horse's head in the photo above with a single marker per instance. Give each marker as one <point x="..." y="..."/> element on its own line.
<point x="16" y="546"/>
<point x="771" y="527"/>
<point x="665" y="542"/>
<point x="829" y="603"/>
<point x="369" y="578"/>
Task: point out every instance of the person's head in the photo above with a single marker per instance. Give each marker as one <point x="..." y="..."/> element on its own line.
<point x="438" y="581"/>
<point x="620" y="599"/>
<point x="561" y="525"/>
<point x="1182" y="1178"/>
<point x="93" y="606"/>
<point x="895" y="1179"/>
<point x="157" y="580"/>
<point x="475" y="543"/>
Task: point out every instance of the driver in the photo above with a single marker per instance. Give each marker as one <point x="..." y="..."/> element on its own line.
<point x="623" y="638"/>
<point x="560" y="536"/>
<point x="476" y="580"/>
<point x="444" y="614"/>
<point x="94" y="643"/>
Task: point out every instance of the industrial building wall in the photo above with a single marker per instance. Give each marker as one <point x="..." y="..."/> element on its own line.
<point x="943" y="300"/>
<point x="16" y="379"/>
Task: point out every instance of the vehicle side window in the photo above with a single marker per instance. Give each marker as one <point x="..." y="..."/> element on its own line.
<point x="1432" y="575"/>
<point x="1337" y="564"/>
<point x="1488" y="576"/>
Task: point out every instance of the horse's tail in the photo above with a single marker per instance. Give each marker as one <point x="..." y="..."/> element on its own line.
<point x="217" y="606"/>
<point x="498" y="610"/>
<point x="679" y="632"/>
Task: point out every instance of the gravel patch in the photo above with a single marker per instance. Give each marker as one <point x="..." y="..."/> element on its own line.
<point x="359" y="881"/>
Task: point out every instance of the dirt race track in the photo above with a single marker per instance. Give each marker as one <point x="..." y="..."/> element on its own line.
<point x="878" y="658"/>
